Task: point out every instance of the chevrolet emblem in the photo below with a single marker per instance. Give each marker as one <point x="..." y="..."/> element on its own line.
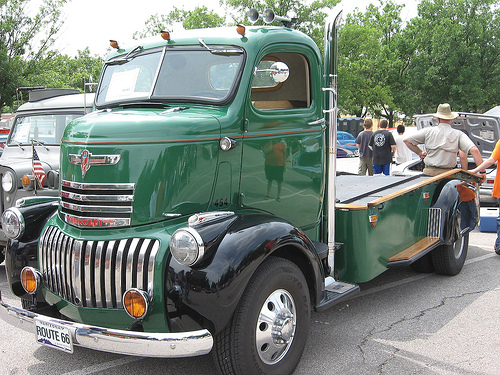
<point x="86" y="160"/>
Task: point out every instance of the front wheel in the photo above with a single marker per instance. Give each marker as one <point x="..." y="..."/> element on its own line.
<point x="269" y="329"/>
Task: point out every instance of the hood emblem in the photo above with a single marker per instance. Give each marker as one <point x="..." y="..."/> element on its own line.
<point x="86" y="160"/>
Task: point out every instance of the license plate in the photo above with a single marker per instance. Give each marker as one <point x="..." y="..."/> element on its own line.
<point x="54" y="335"/>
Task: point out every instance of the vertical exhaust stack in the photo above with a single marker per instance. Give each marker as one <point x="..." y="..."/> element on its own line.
<point x="330" y="69"/>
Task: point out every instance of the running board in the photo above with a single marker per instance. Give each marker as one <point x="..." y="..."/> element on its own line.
<point x="335" y="292"/>
<point x="413" y="253"/>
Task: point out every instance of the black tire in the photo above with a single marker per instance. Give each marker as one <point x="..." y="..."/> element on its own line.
<point x="250" y="345"/>
<point x="449" y="259"/>
<point x="424" y="264"/>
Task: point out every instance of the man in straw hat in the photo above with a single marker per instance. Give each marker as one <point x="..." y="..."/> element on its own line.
<point x="442" y="144"/>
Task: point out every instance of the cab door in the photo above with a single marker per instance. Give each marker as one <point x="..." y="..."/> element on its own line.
<point x="283" y="155"/>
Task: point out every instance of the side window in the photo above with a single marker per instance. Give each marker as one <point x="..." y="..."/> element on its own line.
<point x="281" y="81"/>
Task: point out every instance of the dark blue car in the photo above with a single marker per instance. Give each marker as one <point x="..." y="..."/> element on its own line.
<point x="348" y="142"/>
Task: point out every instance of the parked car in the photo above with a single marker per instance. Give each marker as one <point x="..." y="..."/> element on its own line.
<point x="37" y="130"/>
<point x="482" y="129"/>
<point x="348" y="142"/>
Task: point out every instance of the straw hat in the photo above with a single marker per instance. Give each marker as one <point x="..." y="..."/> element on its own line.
<point x="444" y="112"/>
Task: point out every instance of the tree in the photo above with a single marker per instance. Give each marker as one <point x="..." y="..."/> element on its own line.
<point x="58" y="70"/>
<point x="372" y="67"/>
<point x="198" y="18"/>
<point x="24" y="38"/>
<point x="310" y="15"/>
<point x="457" y="54"/>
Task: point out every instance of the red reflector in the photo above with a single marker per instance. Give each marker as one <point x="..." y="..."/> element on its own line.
<point x="490" y="181"/>
<point x="4" y="131"/>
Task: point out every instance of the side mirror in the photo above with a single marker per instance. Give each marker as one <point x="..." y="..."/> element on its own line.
<point x="279" y="72"/>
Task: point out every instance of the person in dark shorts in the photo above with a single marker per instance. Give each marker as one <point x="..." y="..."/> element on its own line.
<point x="383" y="146"/>
<point x="274" y="165"/>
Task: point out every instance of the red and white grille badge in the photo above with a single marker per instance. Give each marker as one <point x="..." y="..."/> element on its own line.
<point x="86" y="160"/>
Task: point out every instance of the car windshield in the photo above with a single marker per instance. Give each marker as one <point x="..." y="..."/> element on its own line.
<point x="47" y="129"/>
<point x="194" y="74"/>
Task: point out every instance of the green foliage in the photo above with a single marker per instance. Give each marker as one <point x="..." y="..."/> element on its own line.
<point x="24" y="38"/>
<point x="62" y="71"/>
<point x="456" y="55"/>
<point x="198" y="18"/>
<point x="310" y="15"/>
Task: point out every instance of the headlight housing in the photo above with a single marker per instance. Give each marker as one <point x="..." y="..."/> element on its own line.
<point x="30" y="279"/>
<point x="8" y="182"/>
<point x="13" y="223"/>
<point x="186" y="246"/>
<point x="136" y="303"/>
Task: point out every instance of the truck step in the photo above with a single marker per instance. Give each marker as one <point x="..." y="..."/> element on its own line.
<point x="335" y="292"/>
<point x="413" y="253"/>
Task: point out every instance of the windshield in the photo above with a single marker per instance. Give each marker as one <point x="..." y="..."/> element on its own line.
<point x="192" y="74"/>
<point x="47" y="129"/>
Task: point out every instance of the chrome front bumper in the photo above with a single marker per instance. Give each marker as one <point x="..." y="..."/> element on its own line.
<point x="165" y="345"/>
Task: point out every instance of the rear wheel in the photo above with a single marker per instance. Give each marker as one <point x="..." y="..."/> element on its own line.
<point x="269" y="329"/>
<point x="449" y="259"/>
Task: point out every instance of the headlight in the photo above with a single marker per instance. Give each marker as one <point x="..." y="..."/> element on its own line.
<point x="13" y="223"/>
<point x="187" y="246"/>
<point x="8" y="183"/>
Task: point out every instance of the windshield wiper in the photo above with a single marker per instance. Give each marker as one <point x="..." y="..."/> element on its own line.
<point x="214" y="51"/>
<point x="126" y="58"/>
<point x="40" y="143"/>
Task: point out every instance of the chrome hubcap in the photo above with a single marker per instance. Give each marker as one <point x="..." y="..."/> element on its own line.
<point x="275" y="327"/>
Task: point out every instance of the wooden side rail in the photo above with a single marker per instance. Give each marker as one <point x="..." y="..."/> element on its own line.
<point x="458" y="173"/>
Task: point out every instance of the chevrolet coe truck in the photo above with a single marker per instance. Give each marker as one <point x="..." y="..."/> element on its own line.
<point x="200" y="210"/>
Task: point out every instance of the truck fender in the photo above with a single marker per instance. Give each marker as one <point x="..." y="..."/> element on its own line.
<point x="23" y="251"/>
<point x="210" y="291"/>
<point x="447" y="200"/>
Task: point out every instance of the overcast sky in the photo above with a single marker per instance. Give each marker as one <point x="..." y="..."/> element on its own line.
<point x="92" y="23"/>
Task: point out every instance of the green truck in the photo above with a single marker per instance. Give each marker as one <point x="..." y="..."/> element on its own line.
<point x="200" y="209"/>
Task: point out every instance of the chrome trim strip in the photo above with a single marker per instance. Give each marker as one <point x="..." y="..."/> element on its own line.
<point x="118" y="273"/>
<point x="108" y="271"/>
<point x="87" y="275"/>
<point x="92" y="186"/>
<point x="160" y="345"/>
<point x="97" y="274"/>
<point x="97" y="198"/>
<point x="76" y="253"/>
<point x="98" y="209"/>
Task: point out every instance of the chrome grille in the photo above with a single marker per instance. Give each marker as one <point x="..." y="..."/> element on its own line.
<point x="434" y="226"/>
<point x="96" y="273"/>
<point x="90" y="205"/>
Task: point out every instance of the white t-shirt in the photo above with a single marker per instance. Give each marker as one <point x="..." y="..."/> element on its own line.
<point x="403" y="153"/>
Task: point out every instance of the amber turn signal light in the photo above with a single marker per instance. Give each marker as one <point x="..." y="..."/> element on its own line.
<point x="136" y="303"/>
<point x="30" y="279"/>
<point x="165" y="35"/>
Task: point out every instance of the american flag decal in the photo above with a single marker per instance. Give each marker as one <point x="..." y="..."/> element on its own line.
<point x="38" y="171"/>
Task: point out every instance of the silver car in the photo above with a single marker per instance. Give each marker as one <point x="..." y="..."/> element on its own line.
<point x="36" y="134"/>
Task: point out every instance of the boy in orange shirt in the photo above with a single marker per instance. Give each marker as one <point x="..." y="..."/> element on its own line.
<point x="495" y="156"/>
